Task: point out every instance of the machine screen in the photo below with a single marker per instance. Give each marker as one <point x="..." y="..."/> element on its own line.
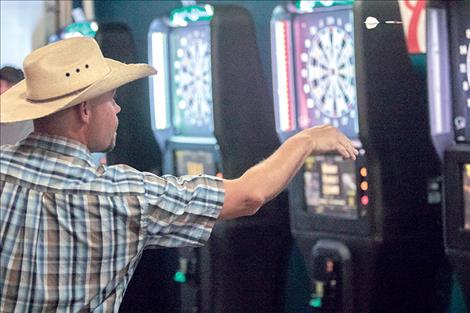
<point x="466" y="195"/>
<point x="330" y="186"/>
<point x="194" y="162"/>
<point x="325" y="70"/>
<point x="191" y="84"/>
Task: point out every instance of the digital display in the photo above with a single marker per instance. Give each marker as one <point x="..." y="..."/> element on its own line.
<point x="466" y="195"/>
<point x="190" y="65"/>
<point x="194" y="162"/>
<point x="330" y="186"/>
<point x="325" y="70"/>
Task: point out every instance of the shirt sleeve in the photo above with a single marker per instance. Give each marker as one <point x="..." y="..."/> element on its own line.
<point x="181" y="211"/>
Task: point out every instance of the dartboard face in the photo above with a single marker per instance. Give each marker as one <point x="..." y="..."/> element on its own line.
<point x="191" y="82"/>
<point x="325" y="70"/>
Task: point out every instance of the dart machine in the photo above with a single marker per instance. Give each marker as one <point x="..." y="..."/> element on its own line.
<point x="369" y="237"/>
<point x="449" y="92"/>
<point x="212" y="114"/>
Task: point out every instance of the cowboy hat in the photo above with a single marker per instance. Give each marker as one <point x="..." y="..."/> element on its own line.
<point x="63" y="74"/>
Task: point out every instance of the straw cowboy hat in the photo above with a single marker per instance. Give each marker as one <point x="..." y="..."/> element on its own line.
<point x="64" y="74"/>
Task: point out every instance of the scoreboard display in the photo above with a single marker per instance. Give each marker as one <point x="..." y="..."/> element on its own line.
<point x="190" y="162"/>
<point x="330" y="187"/>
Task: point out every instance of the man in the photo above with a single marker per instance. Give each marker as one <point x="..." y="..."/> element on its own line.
<point x="11" y="133"/>
<point x="73" y="233"/>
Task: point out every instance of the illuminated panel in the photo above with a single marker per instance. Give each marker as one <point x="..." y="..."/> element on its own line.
<point x="181" y="17"/>
<point x="330" y="187"/>
<point x="460" y="61"/>
<point x="466" y="195"/>
<point x="438" y="73"/>
<point x="159" y="81"/>
<point x="310" y="5"/>
<point x="192" y="80"/>
<point x="193" y="162"/>
<point x="79" y="29"/>
<point x="325" y="67"/>
<point x="464" y="70"/>
<point x="285" y="103"/>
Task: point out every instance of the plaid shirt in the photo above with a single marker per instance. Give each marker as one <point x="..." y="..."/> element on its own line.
<point x="71" y="233"/>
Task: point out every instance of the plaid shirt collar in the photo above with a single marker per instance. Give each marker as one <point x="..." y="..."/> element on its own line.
<point x="58" y="144"/>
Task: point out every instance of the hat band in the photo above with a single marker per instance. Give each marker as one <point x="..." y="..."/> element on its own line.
<point x="73" y="93"/>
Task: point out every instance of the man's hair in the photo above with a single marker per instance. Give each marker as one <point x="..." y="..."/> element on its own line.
<point x="11" y="74"/>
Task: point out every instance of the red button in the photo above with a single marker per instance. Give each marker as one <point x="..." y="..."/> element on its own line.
<point x="365" y="200"/>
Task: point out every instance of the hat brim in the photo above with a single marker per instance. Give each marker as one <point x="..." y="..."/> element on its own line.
<point x="15" y="107"/>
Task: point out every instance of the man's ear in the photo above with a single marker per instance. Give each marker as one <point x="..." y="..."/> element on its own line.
<point x="84" y="112"/>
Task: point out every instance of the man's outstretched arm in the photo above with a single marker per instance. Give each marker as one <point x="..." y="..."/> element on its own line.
<point x="264" y="181"/>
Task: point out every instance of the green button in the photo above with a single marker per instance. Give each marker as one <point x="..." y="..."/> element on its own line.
<point x="179" y="277"/>
<point x="316" y="303"/>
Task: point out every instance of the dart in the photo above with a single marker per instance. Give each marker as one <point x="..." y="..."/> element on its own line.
<point x="372" y="22"/>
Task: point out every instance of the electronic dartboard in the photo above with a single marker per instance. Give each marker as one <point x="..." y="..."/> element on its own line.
<point x="205" y="92"/>
<point x="460" y="36"/>
<point x="192" y="88"/>
<point x="325" y="59"/>
<point x="350" y="217"/>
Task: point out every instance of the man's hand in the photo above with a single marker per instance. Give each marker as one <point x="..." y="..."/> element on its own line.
<point x="326" y="138"/>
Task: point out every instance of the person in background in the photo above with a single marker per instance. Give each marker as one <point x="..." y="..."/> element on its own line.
<point x="11" y="133"/>
<point x="71" y="232"/>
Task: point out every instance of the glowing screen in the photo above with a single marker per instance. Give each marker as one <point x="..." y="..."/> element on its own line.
<point x="325" y="70"/>
<point x="466" y="195"/>
<point x="194" y="162"/>
<point x="330" y="186"/>
<point x="438" y="73"/>
<point x="191" y="84"/>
